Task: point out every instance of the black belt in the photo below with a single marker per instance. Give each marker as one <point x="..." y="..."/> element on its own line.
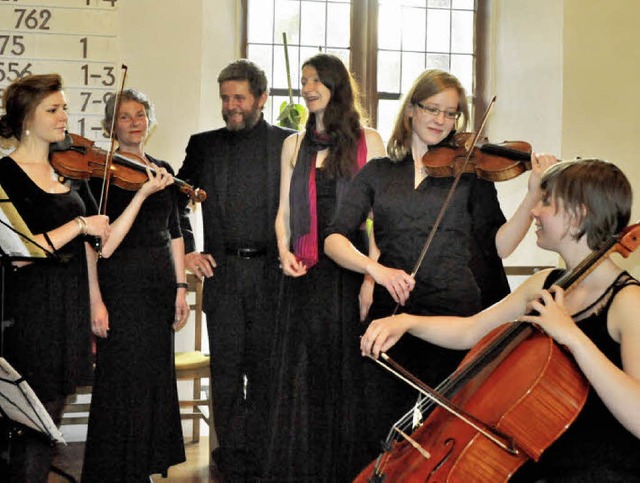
<point x="245" y="252"/>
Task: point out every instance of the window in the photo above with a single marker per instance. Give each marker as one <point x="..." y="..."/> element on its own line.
<point x="386" y="43"/>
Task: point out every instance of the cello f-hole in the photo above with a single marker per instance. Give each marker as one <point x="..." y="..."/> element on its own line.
<point x="451" y="443"/>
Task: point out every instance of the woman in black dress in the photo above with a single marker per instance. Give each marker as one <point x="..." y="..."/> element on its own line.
<point x="48" y="301"/>
<point x="405" y="203"/>
<point x="584" y="204"/>
<point x="317" y="361"/>
<point x="134" y="424"/>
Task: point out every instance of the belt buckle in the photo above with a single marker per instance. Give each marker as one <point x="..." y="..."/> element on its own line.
<point x="244" y="253"/>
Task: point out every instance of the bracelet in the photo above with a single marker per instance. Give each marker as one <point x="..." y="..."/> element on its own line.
<point x="182" y="285"/>
<point x="82" y="224"/>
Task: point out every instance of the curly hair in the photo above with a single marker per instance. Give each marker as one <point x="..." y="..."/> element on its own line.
<point x="21" y="99"/>
<point x="245" y="70"/>
<point x="343" y="117"/>
<point x="127" y="95"/>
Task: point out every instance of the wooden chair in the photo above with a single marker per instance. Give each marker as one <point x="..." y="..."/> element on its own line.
<point x="194" y="366"/>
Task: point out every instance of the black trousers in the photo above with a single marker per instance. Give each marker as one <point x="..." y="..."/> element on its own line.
<point x="240" y="305"/>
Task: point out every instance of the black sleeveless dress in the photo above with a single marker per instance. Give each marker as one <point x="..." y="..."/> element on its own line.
<point x="596" y="448"/>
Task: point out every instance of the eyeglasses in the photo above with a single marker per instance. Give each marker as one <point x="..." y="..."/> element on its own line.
<point x="435" y="111"/>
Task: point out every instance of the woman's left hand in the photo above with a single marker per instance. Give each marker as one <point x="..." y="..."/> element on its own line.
<point x="552" y="315"/>
<point x="182" y="310"/>
<point x="156" y="182"/>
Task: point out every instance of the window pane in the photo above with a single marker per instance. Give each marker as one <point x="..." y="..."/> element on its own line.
<point x="263" y="56"/>
<point x="280" y="68"/>
<point x="313" y="23"/>
<point x="438" y="35"/>
<point x="387" y="112"/>
<point x="389" y="71"/>
<point x="462" y="32"/>
<point x="339" y="25"/>
<point x="462" y="68"/>
<point x="287" y="19"/>
<point x="439" y="3"/>
<point x="438" y="61"/>
<point x="342" y="53"/>
<point x="306" y="53"/>
<point x="260" y="21"/>
<point x="464" y="4"/>
<point x="414" y="24"/>
<point x="389" y="30"/>
<point x="412" y="67"/>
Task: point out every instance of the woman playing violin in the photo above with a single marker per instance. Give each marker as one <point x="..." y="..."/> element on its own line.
<point x="584" y="203"/>
<point x="48" y="301"/>
<point x="134" y="424"/>
<point x="405" y="203"/>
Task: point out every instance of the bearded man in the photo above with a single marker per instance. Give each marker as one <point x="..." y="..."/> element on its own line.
<point x="239" y="168"/>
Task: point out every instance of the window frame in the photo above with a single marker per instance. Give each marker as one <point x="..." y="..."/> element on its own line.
<point x="363" y="57"/>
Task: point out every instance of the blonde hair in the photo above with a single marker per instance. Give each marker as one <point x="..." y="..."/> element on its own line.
<point x="429" y="83"/>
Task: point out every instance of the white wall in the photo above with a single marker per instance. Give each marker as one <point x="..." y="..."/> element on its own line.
<point x="564" y="75"/>
<point x="174" y="51"/>
<point x="526" y="78"/>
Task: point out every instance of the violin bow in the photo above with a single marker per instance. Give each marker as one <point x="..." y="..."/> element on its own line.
<point x="106" y="180"/>
<point x="447" y="200"/>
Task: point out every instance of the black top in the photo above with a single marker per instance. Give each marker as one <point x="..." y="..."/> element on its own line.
<point x="212" y="163"/>
<point x="157" y="221"/>
<point x="48" y="301"/>
<point x="403" y="217"/>
<point x="213" y="158"/>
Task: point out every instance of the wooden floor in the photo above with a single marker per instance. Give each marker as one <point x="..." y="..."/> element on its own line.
<point x="194" y="470"/>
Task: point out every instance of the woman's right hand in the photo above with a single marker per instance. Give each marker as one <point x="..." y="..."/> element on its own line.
<point x="398" y="283"/>
<point x="98" y="225"/>
<point x="99" y="319"/>
<point x="290" y="265"/>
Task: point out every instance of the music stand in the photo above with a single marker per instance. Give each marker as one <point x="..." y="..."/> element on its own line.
<point x="19" y="404"/>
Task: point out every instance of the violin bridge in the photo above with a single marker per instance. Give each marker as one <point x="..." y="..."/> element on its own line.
<point x="417" y="415"/>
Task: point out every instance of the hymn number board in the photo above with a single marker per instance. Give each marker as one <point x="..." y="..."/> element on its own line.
<point x="77" y="39"/>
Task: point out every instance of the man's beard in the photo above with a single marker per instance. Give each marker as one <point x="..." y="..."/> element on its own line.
<point x="249" y="119"/>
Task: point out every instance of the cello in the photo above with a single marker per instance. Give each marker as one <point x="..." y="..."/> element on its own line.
<point x="512" y="396"/>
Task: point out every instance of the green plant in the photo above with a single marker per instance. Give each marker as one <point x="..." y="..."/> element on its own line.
<point x="293" y="116"/>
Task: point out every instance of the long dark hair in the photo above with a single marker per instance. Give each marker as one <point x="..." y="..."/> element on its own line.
<point x="343" y="118"/>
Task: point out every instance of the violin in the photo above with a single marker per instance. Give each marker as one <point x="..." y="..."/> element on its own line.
<point x="492" y="162"/>
<point x="78" y="158"/>
<point x="512" y="396"/>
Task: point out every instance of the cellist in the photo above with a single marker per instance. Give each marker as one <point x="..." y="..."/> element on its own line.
<point x="584" y="203"/>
